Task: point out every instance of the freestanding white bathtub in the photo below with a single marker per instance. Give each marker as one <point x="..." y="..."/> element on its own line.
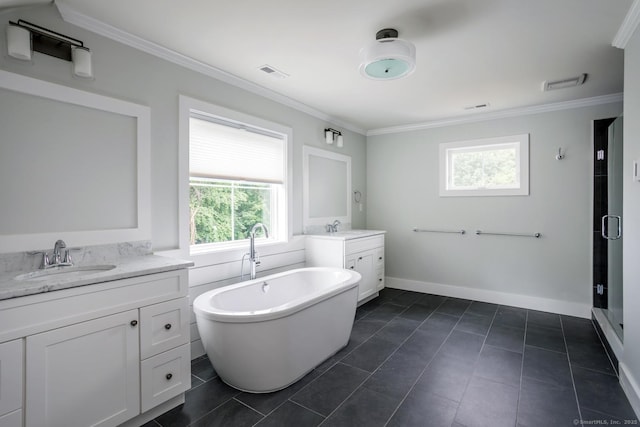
<point x="265" y="334"/>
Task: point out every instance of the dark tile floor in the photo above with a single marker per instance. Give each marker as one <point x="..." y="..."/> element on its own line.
<point x="426" y="360"/>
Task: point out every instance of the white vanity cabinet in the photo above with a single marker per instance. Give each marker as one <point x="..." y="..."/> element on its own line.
<point x="11" y="387"/>
<point x="107" y="354"/>
<point x="84" y="374"/>
<point x="363" y="252"/>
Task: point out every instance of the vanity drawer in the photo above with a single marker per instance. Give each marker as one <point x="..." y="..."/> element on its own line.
<point x="11" y="370"/>
<point x="163" y="326"/>
<point x="363" y="244"/>
<point x="165" y="376"/>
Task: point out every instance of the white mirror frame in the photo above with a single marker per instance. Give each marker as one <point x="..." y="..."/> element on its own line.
<point x="321" y="221"/>
<point x="141" y="114"/>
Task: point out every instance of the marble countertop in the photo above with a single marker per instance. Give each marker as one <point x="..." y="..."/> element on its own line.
<point x="348" y="234"/>
<point x="125" y="266"/>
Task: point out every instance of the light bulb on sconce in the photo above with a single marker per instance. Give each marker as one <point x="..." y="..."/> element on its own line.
<point x="19" y="42"/>
<point x="332" y="135"/>
<point x="328" y="136"/>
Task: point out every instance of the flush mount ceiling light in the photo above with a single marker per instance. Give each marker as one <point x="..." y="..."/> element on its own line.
<point x="388" y="57"/>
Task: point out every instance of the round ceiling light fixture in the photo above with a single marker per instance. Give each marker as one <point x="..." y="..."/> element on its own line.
<point x="388" y="57"/>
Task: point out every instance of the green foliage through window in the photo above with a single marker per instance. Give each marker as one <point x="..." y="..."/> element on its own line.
<point x="223" y="210"/>
<point x="484" y="168"/>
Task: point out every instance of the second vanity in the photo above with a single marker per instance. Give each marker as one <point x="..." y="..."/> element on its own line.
<point x="105" y="348"/>
<point x="360" y="250"/>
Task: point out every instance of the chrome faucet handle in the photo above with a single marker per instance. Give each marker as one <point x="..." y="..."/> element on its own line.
<point x="45" y="258"/>
<point x="67" y="257"/>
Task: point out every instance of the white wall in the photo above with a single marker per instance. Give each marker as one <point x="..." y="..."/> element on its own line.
<point x="630" y="361"/>
<point x="552" y="273"/>
<point x="126" y="73"/>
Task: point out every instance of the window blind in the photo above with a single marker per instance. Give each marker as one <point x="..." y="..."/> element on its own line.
<point x="231" y="151"/>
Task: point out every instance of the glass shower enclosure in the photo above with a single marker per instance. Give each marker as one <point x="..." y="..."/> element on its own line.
<point x="608" y="230"/>
<point x="612" y="228"/>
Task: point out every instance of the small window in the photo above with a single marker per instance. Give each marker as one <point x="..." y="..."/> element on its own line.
<point x="237" y="176"/>
<point x="485" y="167"/>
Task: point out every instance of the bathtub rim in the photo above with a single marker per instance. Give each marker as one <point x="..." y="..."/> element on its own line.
<point x="202" y="308"/>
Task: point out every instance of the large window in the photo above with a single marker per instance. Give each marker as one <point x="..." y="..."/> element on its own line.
<point x="237" y="178"/>
<point x="485" y="167"/>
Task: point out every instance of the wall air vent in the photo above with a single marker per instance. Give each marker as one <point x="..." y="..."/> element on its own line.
<point x="273" y="72"/>
<point x="564" y="83"/>
<point x="477" y="106"/>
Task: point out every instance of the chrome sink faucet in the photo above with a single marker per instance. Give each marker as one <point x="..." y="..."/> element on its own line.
<point x="333" y="228"/>
<point x="253" y="255"/>
<point x="57" y="258"/>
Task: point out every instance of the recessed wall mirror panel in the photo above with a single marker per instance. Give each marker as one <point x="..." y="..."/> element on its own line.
<point x="73" y="164"/>
<point x="327" y="187"/>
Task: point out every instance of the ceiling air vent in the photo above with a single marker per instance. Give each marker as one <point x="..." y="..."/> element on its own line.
<point x="477" y="106"/>
<point x="268" y="69"/>
<point x="564" y="83"/>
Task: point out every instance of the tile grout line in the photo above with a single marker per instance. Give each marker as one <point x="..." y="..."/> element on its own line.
<point x="432" y="357"/>
<point x="289" y="399"/>
<point x="308" y="409"/>
<point x="382" y="363"/>
<point x="427" y="364"/>
<point x="524" y="348"/>
<point x="214" y="409"/>
<point x="477" y="357"/>
<point x="247" y="405"/>
<point x="573" y="381"/>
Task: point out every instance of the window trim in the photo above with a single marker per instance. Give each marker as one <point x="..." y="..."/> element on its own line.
<point x="523" y="142"/>
<point x="187" y="105"/>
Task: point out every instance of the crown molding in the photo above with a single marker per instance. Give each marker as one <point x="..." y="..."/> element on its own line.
<point x="74" y="17"/>
<point x="513" y="112"/>
<point x="628" y="27"/>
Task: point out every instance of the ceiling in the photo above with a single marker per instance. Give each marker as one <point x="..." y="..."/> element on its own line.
<point x="469" y="52"/>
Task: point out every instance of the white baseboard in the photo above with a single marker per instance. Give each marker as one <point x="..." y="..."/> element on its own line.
<point x="197" y="349"/>
<point x="630" y="387"/>
<point x="496" y="297"/>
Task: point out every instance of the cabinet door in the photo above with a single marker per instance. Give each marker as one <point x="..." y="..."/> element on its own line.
<point x="85" y="374"/>
<point x="12" y="419"/>
<point x="365" y="266"/>
<point x="11" y="368"/>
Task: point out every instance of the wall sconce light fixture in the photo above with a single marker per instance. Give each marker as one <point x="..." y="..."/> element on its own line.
<point x="24" y="37"/>
<point x="332" y="135"/>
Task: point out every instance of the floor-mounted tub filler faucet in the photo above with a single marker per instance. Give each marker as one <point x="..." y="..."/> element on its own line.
<point x="254" y="260"/>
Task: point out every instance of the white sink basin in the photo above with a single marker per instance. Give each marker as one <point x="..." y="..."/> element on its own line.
<point x="63" y="273"/>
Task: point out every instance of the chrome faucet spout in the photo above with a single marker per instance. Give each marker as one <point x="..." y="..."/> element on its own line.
<point x="57" y="254"/>
<point x="254" y="261"/>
